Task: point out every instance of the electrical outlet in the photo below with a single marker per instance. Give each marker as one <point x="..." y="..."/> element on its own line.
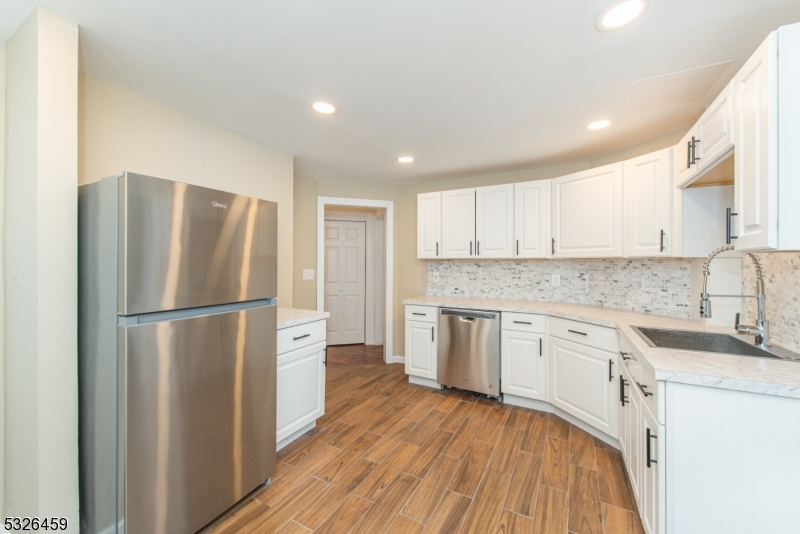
<point x="434" y="277"/>
<point x="308" y="274"/>
<point x="556" y="280"/>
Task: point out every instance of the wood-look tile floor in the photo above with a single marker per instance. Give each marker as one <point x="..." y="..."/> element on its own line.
<point x="390" y="457"/>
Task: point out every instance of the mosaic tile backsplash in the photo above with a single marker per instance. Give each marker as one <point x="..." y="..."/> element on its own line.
<point x="660" y="286"/>
<point x="782" y="287"/>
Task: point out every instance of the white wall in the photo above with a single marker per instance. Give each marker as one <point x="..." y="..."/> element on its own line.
<point x="40" y="260"/>
<point x="122" y="131"/>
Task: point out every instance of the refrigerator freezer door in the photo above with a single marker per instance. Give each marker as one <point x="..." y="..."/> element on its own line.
<point x="184" y="246"/>
<point x="201" y="427"/>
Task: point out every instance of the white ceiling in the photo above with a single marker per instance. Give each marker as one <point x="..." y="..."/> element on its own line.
<point x="464" y="86"/>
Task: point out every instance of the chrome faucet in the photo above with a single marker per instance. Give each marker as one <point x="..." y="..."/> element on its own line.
<point x="761" y="329"/>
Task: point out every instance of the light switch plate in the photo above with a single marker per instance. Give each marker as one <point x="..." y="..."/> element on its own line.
<point x="556" y="280"/>
<point x="308" y="274"/>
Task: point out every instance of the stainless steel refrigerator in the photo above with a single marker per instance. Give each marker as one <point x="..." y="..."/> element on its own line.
<point x="177" y="353"/>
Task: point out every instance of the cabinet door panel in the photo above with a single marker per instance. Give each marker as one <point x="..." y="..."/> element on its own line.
<point x="755" y="177"/>
<point x="648" y="205"/>
<point x="421" y="349"/>
<point x="429" y="225"/>
<point x="580" y="385"/>
<point x="301" y="389"/>
<point x="624" y="413"/>
<point x="685" y="171"/>
<point x="532" y="219"/>
<point x="587" y="213"/>
<point x="715" y="129"/>
<point x="458" y="223"/>
<point x="523" y="365"/>
<point x="635" y="442"/>
<point x="652" y="478"/>
<point x="494" y="221"/>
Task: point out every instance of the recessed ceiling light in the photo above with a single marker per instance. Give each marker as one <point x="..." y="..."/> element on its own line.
<point x="323" y="107"/>
<point x="620" y="14"/>
<point x="405" y="159"/>
<point x="599" y="125"/>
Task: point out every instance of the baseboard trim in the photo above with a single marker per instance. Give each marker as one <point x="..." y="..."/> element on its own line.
<point x="294" y="435"/>
<point x="397" y="359"/>
<point x="427" y="382"/>
<point x="543" y="406"/>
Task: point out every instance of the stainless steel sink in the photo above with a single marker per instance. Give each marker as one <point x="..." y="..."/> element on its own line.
<point x="708" y="342"/>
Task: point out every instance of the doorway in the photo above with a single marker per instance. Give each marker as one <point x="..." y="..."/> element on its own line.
<point x="339" y="262"/>
<point x="345" y="280"/>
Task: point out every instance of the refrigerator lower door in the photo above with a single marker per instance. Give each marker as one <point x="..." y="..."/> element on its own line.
<point x="200" y="410"/>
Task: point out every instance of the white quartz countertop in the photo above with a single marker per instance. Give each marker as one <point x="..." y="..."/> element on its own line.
<point x="294" y="316"/>
<point x="741" y="373"/>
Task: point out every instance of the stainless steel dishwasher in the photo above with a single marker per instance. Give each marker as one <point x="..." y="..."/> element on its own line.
<point x="469" y="350"/>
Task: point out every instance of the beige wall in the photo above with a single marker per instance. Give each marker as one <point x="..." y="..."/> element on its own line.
<point x="410" y="274"/>
<point x="40" y="278"/>
<point x="305" y="241"/>
<point x="122" y="131"/>
<point x="2" y="183"/>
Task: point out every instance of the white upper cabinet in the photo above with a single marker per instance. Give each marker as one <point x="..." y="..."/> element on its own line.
<point x="429" y="225"/>
<point x="458" y="223"/>
<point x="715" y="130"/>
<point x="532" y="219"/>
<point x="708" y="141"/>
<point x="767" y="164"/>
<point x="648" y="205"/>
<point x="587" y="214"/>
<point x="494" y="221"/>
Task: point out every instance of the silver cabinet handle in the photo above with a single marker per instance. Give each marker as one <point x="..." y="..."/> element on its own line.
<point x="477" y="248"/>
<point x="540" y="347"/>
<point x="470" y="248"/>
<point x="517" y="247"/>
<point x="301" y="337"/>
<point x="437" y="248"/>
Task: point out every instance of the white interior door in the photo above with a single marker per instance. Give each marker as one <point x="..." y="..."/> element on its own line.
<point x="345" y="281"/>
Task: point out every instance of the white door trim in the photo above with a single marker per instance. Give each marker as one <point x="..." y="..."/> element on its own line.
<point x="388" y="205"/>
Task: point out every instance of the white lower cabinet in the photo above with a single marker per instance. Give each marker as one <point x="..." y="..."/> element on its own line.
<point x="651" y="490"/>
<point x="301" y="389"/>
<point x="421" y="349"/>
<point x="583" y="383"/>
<point x="523" y="364"/>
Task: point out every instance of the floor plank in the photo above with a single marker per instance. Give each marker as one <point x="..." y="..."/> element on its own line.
<point x="487" y="504"/>
<point x="280" y="514"/>
<point x="524" y="487"/>
<point x="421" y="506"/>
<point x="456" y="416"/>
<point x="343" y="519"/>
<point x="382" y="513"/>
<point x="238" y="518"/>
<point x="505" y="453"/>
<point x="384" y="446"/>
<point x="326" y="503"/>
<point x="511" y="523"/>
<point x="551" y="511"/>
<point x="463" y="438"/>
<point x="584" y="502"/>
<point x="380" y="478"/>
<point x="518" y="418"/>
<point x="290" y="481"/>
<point x="490" y="431"/>
<point x="337" y="465"/>
<point x="557" y="428"/>
<point x="614" y="488"/>
<point x="619" y="521"/>
<point x="428" y="453"/>
<point x="473" y="466"/>
<point x="404" y="525"/>
<point x="449" y="514"/>
<point x="535" y="434"/>
<point x="293" y="528"/>
<point x="555" y="467"/>
<point x="581" y="448"/>
<point x="425" y="428"/>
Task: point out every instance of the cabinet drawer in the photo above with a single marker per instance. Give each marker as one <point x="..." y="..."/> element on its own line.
<point x="425" y="314"/>
<point x="299" y="336"/>
<point x="648" y="387"/>
<point x="599" y="337"/>
<point x="523" y="322"/>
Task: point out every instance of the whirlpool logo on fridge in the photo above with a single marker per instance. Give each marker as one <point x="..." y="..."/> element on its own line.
<point x="216" y="204"/>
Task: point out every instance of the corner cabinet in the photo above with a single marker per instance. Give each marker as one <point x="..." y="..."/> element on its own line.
<point x="588" y="214"/>
<point x="429" y="225"/>
<point x="300" y="379"/>
<point x="767" y="163"/>
<point x="648" y="205"/>
<point x="532" y="219"/>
